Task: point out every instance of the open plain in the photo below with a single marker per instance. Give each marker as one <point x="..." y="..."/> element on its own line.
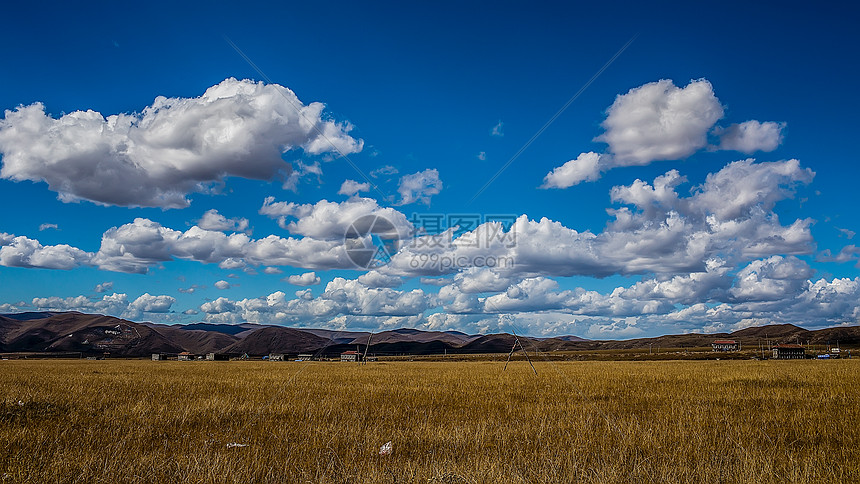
<point x="593" y="421"/>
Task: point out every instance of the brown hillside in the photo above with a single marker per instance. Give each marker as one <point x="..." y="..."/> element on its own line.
<point x="275" y="339"/>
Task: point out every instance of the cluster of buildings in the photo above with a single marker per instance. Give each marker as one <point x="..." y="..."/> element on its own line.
<point x="351" y="356"/>
<point x="778" y="351"/>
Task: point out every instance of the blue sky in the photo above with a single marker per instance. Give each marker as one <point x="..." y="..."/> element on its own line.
<point x="655" y="230"/>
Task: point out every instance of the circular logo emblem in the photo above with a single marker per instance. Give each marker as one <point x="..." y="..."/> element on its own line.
<point x="371" y="241"/>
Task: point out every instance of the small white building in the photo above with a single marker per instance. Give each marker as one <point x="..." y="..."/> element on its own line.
<point x="725" y="345"/>
<point x="350" y="356"/>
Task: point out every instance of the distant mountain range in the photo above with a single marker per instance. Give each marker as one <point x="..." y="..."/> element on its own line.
<point x="73" y="332"/>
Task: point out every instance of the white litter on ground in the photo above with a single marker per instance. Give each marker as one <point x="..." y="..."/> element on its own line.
<point x="386" y="448"/>
<point x="235" y="444"/>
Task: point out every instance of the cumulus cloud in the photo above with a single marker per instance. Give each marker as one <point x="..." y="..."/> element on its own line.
<point x="351" y="188"/>
<point x="743" y="185"/>
<point x="751" y="136"/>
<point x="111" y="304"/>
<point x="730" y="216"/>
<point x="8" y="308"/>
<point x="715" y="300"/>
<point x="655" y="230"/>
<point x="212" y="220"/>
<point x="419" y="187"/>
<point x="771" y="279"/>
<point x="44" y="227"/>
<point x="342" y="297"/>
<point x="148" y="303"/>
<point x="481" y="279"/>
<point x="222" y="284"/>
<point x="331" y="220"/>
<point x="585" y="167"/>
<point x="104" y="287"/>
<point x="190" y="290"/>
<point x="306" y="279"/>
<point x="660" y="121"/>
<point x="137" y="246"/>
<point x="378" y="279"/>
<point x="22" y="251"/>
<point x="172" y="148"/>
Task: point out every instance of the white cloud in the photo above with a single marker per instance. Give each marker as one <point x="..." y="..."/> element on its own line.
<point x="435" y="281"/>
<point x="497" y="129"/>
<point x="104" y="287"/>
<point x="306" y="279"/>
<point x="351" y="188"/>
<point x="147" y="303"/>
<point x="419" y="187"/>
<point x="342" y="297"/>
<point x="771" y="279"/>
<point x="751" y="136"/>
<point x="48" y="227"/>
<point x="849" y="253"/>
<point x="231" y="263"/>
<point x="170" y="149"/>
<point x="849" y="234"/>
<point x="481" y="279"/>
<point x="272" y="270"/>
<point x="331" y="220"/>
<point x="139" y="245"/>
<point x="378" y="279"/>
<point x="9" y="308"/>
<point x="482" y="156"/>
<point x="386" y="170"/>
<point x="615" y="329"/>
<point x="730" y="217"/>
<point x="536" y="293"/>
<point x="222" y="284"/>
<point x="586" y="167"/>
<point x="655" y="121"/>
<point x="190" y="290"/>
<point x="302" y="171"/>
<point x="25" y="252"/>
<point x="743" y="186"/>
<point x="660" y="121"/>
<point x="111" y="304"/>
<point x="212" y="220"/>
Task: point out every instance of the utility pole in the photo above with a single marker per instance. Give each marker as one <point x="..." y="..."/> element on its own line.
<point x="366" y="348"/>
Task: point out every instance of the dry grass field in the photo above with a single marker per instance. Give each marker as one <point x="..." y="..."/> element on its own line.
<point x="657" y="421"/>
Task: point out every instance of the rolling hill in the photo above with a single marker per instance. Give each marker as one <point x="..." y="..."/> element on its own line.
<point x="93" y="334"/>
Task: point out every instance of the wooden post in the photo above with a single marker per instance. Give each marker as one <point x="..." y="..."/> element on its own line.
<point x="366" y="348"/>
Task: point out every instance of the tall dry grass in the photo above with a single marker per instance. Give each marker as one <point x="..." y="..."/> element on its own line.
<point x="710" y="421"/>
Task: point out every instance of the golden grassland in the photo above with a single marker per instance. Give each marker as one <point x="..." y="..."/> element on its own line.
<point x="594" y="421"/>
